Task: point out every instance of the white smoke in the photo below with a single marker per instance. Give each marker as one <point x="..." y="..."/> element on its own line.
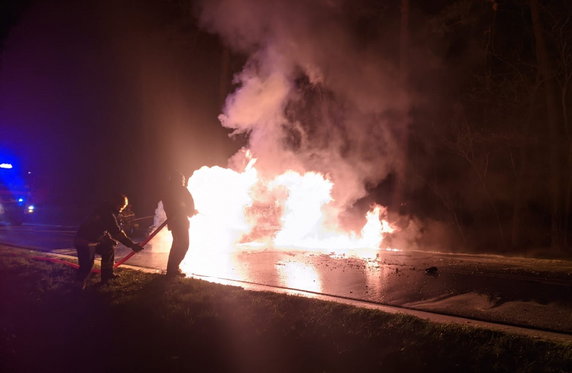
<point x="314" y="95"/>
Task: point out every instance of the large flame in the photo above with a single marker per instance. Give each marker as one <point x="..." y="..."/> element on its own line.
<point x="241" y="210"/>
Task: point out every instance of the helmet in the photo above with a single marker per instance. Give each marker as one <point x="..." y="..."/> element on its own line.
<point x="118" y="202"/>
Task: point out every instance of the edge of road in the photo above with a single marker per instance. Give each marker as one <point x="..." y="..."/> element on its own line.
<point x="425" y="315"/>
<point x="535" y="333"/>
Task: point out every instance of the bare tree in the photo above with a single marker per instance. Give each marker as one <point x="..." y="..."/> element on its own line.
<point x="547" y="73"/>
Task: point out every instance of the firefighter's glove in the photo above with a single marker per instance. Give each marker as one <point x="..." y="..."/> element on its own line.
<point x="136" y="247"/>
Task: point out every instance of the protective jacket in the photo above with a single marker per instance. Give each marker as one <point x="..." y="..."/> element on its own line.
<point x="179" y="206"/>
<point x="101" y="224"/>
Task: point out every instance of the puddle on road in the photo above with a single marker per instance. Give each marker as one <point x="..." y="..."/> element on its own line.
<point x="296" y="275"/>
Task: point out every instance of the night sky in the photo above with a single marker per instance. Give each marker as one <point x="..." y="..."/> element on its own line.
<point x="98" y="97"/>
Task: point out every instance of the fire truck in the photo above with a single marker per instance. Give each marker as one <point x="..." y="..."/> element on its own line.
<point x="15" y="195"/>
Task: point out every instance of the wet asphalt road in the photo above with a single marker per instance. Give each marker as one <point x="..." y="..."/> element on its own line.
<point x="524" y="291"/>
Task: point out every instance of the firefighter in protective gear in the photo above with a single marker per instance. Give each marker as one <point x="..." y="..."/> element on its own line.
<point x="99" y="234"/>
<point x="179" y="207"/>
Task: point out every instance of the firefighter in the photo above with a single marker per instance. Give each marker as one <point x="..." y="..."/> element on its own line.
<point x="179" y="207"/>
<point x="99" y="234"/>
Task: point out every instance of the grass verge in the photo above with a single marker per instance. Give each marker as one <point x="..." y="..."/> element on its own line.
<point x="144" y="322"/>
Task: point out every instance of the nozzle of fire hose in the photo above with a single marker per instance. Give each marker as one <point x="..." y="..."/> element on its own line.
<point x="136" y="247"/>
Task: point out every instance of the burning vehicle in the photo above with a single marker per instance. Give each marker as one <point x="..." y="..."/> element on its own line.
<point x="15" y="195"/>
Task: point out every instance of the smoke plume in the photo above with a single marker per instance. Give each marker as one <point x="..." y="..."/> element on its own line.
<point x="316" y="94"/>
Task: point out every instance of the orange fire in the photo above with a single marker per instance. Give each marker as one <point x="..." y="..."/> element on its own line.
<point x="242" y="211"/>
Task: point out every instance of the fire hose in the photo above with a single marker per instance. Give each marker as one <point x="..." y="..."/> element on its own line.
<point x="145" y="242"/>
<point x="118" y="263"/>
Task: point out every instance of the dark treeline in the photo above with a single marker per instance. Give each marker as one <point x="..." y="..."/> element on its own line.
<point x="491" y="148"/>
